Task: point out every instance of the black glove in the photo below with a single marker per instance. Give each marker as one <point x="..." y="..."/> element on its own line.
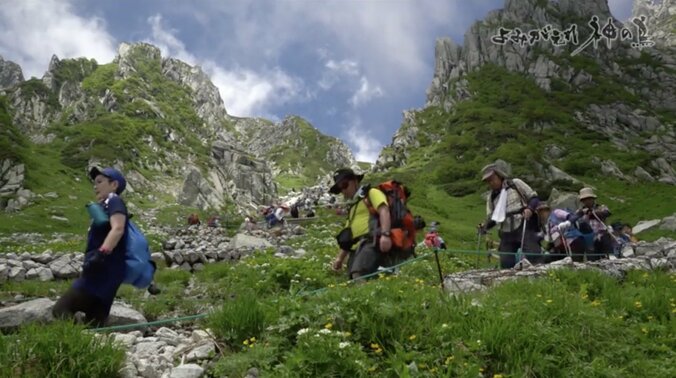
<point x="94" y="265"/>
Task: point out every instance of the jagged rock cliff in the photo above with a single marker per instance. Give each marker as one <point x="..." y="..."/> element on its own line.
<point x="634" y="110"/>
<point x="158" y="117"/>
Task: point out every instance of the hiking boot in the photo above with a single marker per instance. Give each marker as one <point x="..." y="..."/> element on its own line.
<point x="153" y="289"/>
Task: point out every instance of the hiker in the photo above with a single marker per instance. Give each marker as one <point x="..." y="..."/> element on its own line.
<point x="279" y="214"/>
<point x="511" y="205"/>
<point x="432" y="238"/>
<point x="194" y="219"/>
<point x="595" y="215"/>
<point x="214" y="221"/>
<point x="562" y="237"/>
<point x="366" y="250"/>
<point x="103" y="269"/>
<point x="310" y="213"/>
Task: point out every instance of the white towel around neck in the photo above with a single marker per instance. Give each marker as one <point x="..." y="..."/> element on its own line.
<point x="499" y="213"/>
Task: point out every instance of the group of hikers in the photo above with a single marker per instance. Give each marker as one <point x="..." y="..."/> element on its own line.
<point x="528" y="228"/>
<point x="379" y="232"/>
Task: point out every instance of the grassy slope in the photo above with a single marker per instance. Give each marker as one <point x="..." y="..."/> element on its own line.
<point x="503" y="121"/>
<point x="567" y="324"/>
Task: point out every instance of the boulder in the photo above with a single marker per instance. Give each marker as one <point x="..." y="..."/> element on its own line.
<point x="186" y="371"/>
<point x="247" y="241"/>
<point x="668" y="223"/>
<point x="121" y="315"/>
<point x="645" y="225"/>
<point x="37" y="310"/>
<point x="63" y="267"/>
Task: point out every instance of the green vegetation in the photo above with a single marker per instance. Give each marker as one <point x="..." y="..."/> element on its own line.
<point x="58" y="350"/>
<point x="295" y="317"/>
<point x="12" y="143"/>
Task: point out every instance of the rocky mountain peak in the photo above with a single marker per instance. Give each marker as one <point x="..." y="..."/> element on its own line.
<point x="10" y="74"/>
<point x="206" y="97"/>
<point x="661" y="16"/>
<point x="130" y="56"/>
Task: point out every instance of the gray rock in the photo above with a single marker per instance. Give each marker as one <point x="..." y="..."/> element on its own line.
<point x="199" y="336"/>
<point x="642" y="174"/>
<point x="169" y="336"/>
<point x="4" y="272"/>
<point x="128" y="370"/>
<point x="247" y="241"/>
<point x="148" y="347"/>
<point x="461" y="286"/>
<point x="63" y="267"/>
<point x="645" y="225"/>
<point x="16" y="273"/>
<point x="668" y="223"/>
<point x="121" y="315"/>
<point x="185" y="266"/>
<point x="37" y="310"/>
<point x="201" y="352"/>
<point x="186" y="371"/>
<point x="125" y="339"/>
<point x="30" y="264"/>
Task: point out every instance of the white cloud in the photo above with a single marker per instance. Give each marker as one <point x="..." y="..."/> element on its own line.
<point x="365" y="93"/>
<point x="245" y="92"/>
<point x="336" y="71"/>
<point x="364" y="145"/>
<point x="34" y="30"/>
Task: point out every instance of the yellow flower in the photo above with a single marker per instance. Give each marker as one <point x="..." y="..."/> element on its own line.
<point x="596" y="303"/>
<point x="332" y="285"/>
<point x="481" y="370"/>
<point x="253" y="339"/>
<point x="328" y="326"/>
<point x="549" y="301"/>
<point x="449" y="359"/>
<point x="378" y="351"/>
<point x="638" y="304"/>
<point x="372" y="369"/>
<point x="539" y="295"/>
<point x="347" y="334"/>
<point x="433" y="370"/>
<point x="650" y="317"/>
<point x="412" y="337"/>
<point x="497" y="376"/>
<point x="375" y="346"/>
<point x="644" y="330"/>
<point x="245" y="342"/>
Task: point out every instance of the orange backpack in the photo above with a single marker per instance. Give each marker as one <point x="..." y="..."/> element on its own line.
<point x="402" y="227"/>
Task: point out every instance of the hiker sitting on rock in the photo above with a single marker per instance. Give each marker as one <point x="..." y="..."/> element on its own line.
<point x="104" y="265"/>
<point x="194" y="219"/>
<point x="365" y="251"/>
<point x="511" y="205"/>
<point x="595" y="215"/>
<point x="561" y="236"/>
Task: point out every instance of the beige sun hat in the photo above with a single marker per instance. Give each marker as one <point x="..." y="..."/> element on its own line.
<point x="586" y="193"/>
<point x="491" y="169"/>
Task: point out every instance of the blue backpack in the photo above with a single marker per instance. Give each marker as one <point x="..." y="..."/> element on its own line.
<point x="140" y="267"/>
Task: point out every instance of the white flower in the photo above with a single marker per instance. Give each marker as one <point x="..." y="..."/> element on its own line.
<point x="302" y="331"/>
<point x="343" y="344"/>
<point x="325" y="331"/>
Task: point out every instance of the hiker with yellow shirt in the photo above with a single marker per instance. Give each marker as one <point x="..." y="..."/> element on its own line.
<point x="361" y="247"/>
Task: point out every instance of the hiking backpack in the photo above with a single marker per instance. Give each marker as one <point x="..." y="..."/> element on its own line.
<point x="140" y="268"/>
<point x="402" y="225"/>
<point x="432" y="240"/>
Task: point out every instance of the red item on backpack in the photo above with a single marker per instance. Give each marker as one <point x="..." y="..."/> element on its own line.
<point x="402" y="228"/>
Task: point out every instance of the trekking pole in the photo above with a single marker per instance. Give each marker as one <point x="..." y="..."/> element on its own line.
<point x="605" y="228"/>
<point x="519" y="252"/>
<point x="478" y="248"/>
<point x="441" y="276"/>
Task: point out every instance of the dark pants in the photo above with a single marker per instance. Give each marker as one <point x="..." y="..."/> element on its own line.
<point x="367" y="258"/>
<point x="74" y="300"/>
<point x="511" y="242"/>
<point x="602" y="247"/>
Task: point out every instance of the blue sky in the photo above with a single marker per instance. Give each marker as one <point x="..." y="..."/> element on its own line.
<point x="350" y="67"/>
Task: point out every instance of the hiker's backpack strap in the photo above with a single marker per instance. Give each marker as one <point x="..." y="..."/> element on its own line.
<point x="512" y="185"/>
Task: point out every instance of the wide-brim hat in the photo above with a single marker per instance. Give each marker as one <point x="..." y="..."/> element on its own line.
<point x="343" y="174"/>
<point x="112" y="174"/>
<point x="586" y="193"/>
<point x="490" y="170"/>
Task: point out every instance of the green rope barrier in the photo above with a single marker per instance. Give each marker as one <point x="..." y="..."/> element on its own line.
<point x="317" y="291"/>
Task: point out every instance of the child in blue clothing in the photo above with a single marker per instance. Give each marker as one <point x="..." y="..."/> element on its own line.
<point x="104" y="263"/>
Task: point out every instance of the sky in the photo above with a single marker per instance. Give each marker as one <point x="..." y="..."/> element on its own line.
<point x="350" y="67"/>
